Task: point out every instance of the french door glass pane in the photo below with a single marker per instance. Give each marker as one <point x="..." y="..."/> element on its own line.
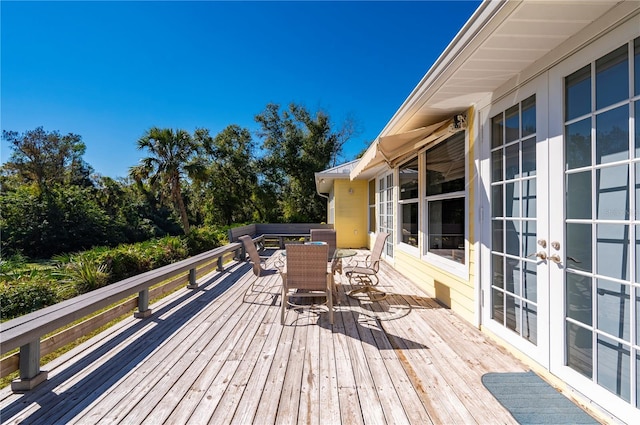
<point x="612" y="77"/>
<point x="497" y="268"/>
<point x="614" y="366"/>
<point x="612" y="192"/>
<point x="612" y="250"/>
<point x="512" y="123"/>
<point x="578" y="195"/>
<point x="578" y="299"/>
<point x="497" y="305"/>
<point x="529" y="197"/>
<point x="496" y="165"/>
<point x="512" y="162"/>
<point x="512" y="234"/>
<point x="579" y="345"/>
<point x="578" y="245"/>
<point x="578" y="93"/>
<point x="530" y="322"/>
<point x="636" y="73"/>
<point x="578" y="144"/>
<point x="637" y="121"/>
<point x="529" y="116"/>
<point x="614" y="309"/>
<point x="529" y="157"/>
<point x="612" y="135"/>
<point x="512" y="199"/>
<point x="496" y="201"/>
<point x="530" y="281"/>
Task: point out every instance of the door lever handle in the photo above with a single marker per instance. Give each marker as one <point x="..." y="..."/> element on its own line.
<point x="574" y="260"/>
<point x="540" y="254"/>
<point x="555" y="258"/>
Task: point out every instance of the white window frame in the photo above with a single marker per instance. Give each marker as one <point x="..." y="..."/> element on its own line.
<point x="410" y="249"/>
<point x="451" y="266"/>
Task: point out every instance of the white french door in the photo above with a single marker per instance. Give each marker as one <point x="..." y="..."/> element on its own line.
<point x="594" y="166"/>
<point x="515" y="272"/>
<point x="560" y="253"/>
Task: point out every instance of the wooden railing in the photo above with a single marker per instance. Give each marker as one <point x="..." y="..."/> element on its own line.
<point x="25" y="332"/>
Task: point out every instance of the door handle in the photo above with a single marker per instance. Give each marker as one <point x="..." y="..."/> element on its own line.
<point x="540" y="254"/>
<point x="555" y="258"/>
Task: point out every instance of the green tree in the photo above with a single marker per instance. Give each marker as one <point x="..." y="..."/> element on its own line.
<point x="230" y="179"/>
<point x="298" y="144"/>
<point x="47" y="158"/>
<point x="173" y="156"/>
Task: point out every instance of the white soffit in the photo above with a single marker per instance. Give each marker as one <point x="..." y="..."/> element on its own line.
<point x="499" y="41"/>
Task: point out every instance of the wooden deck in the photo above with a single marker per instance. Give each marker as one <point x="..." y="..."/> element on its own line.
<point x="219" y="355"/>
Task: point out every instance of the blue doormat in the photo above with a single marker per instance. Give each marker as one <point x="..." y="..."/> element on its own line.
<point x="533" y="401"/>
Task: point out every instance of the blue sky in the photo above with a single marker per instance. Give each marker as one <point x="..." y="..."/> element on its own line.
<point x="108" y="71"/>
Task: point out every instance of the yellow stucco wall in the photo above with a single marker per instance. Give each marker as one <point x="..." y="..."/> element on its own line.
<point x="351" y="213"/>
<point x="456" y="292"/>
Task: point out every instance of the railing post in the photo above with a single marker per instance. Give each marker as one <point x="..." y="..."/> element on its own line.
<point x="30" y="373"/>
<point x="143" y="305"/>
<point x="192" y="279"/>
<point x="221" y="263"/>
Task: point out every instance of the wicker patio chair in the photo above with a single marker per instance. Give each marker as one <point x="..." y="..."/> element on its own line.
<point x="366" y="272"/>
<point x="306" y="271"/>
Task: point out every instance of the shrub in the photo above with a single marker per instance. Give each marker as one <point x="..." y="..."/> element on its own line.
<point x="201" y="239"/>
<point x="23" y="296"/>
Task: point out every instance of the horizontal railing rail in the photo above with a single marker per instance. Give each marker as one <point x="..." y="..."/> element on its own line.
<point x="25" y="332"/>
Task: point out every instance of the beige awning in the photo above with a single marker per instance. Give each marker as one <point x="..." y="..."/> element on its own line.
<point x="386" y="149"/>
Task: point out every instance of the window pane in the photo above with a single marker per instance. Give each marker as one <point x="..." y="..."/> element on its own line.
<point x="612" y="78"/>
<point x="614" y="366"/>
<point x="612" y="191"/>
<point x="529" y="198"/>
<point x="496" y="166"/>
<point x="612" y="250"/>
<point x="530" y="282"/>
<point x="496" y="201"/>
<point x="612" y="135"/>
<point x="512" y="234"/>
<point x="512" y="199"/>
<point x="636" y="78"/>
<point x="512" y="276"/>
<point x="446" y="166"/>
<point x="580" y="349"/>
<point x="497" y="128"/>
<point x="512" y="124"/>
<point x="512" y="160"/>
<point x="579" y="246"/>
<point x="512" y="317"/>
<point x="372" y="219"/>
<point x="410" y="224"/>
<point x="409" y="180"/>
<point x="529" y="116"/>
<point x="529" y="237"/>
<point x="579" y="195"/>
<point x="497" y="271"/>
<point x="497" y="305"/>
<point x="578" y="93"/>
<point x="372" y="192"/>
<point x="446" y="228"/>
<point x="637" y="121"/>
<point x="579" y="296"/>
<point x="497" y="235"/>
<point x="530" y="322"/>
<point x="529" y="157"/>
<point x="614" y="305"/>
<point x="578" y="144"/>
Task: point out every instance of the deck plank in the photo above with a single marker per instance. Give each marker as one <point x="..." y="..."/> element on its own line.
<point x="219" y="355"/>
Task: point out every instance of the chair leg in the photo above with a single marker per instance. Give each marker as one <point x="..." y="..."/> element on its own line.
<point x="330" y="297"/>
<point x="283" y="303"/>
<point x="372" y="292"/>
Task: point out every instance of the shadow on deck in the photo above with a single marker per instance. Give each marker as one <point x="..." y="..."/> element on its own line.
<point x="220" y="355"/>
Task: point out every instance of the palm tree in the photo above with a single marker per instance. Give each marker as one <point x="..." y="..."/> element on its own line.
<point x="172" y="156"/>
